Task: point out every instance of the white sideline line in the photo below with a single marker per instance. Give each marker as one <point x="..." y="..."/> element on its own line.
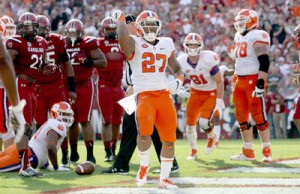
<point x="263" y="170"/>
<point x="273" y="190"/>
<point x="245" y="186"/>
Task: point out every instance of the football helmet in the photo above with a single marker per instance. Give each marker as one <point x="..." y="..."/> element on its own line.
<point x="245" y="20"/>
<point x="296" y="36"/>
<point x="193" y="44"/>
<point x="44" y="26"/>
<point x="148" y="25"/>
<point x="27" y="26"/>
<point x="108" y="28"/>
<point x="62" y="112"/>
<point x="9" y="26"/>
<point x="74" y="31"/>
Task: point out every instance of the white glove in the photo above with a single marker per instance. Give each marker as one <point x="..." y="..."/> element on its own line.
<point x="116" y="15"/>
<point x="220" y="106"/>
<point x="182" y="92"/>
<point x="258" y="92"/>
<point x="17" y="120"/>
<point x="174" y="85"/>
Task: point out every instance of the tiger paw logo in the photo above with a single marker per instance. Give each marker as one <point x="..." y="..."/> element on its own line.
<point x="265" y="35"/>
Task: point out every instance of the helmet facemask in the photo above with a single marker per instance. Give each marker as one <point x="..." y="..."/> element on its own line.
<point x="66" y="117"/>
<point x="44" y="31"/>
<point x="240" y="24"/>
<point x="193" y="49"/>
<point x="28" y="31"/>
<point x="73" y="36"/>
<point x="10" y="30"/>
<point x="150" y="29"/>
<point x="110" y="33"/>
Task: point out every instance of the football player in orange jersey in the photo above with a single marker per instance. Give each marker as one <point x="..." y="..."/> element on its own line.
<point x="44" y="144"/>
<point x="249" y="82"/>
<point x="110" y="89"/>
<point x="7" y="29"/>
<point x="149" y="56"/>
<point x="207" y="88"/>
<point x="296" y="70"/>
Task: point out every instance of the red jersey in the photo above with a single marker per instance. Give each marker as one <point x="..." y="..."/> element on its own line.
<point x="31" y="54"/>
<point x="85" y="46"/>
<point x="56" y="48"/>
<point x="113" y="73"/>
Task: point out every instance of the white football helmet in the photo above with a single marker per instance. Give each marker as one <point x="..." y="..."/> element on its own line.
<point x="148" y="25"/>
<point x="193" y="39"/>
<point x="63" y="112"/>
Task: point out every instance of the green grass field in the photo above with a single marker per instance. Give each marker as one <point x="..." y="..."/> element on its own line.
<point x="204" y="166"/>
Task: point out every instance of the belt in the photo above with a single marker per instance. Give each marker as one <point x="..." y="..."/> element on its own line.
<point x="26" y="77"/>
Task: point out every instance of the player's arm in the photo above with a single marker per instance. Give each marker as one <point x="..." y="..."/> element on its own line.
<point x="98" y="58"/>
<point x="64" y="58"/>
<point x="127" y="43"/>
<point x="174" y="66"/>
<point x="7" y="74"/>
<point x="52" y="139"/>
<point x="220" y="84"/>
<point x="261" y="50"/>
<point x="229" y="72"/>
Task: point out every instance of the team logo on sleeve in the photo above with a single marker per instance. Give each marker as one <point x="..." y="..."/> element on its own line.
<point x="9" y="44"/>
<point x="60" y="127"/>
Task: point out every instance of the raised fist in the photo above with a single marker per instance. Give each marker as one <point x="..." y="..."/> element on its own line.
<point x="118" y="15"/>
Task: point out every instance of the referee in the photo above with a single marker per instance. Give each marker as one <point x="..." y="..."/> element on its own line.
<point x="129" y="128"/>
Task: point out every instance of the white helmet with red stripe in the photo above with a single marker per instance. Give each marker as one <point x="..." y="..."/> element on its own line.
<point x="193" y="44"/>
<point x="9" y="25"/>
<point x="148" y="25"/>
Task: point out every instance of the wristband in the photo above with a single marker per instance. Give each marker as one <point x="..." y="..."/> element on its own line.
<point x="55" y="167"/>
<point x="72" y="83"/>
<point x="88" y="62"/>
<point x="122" y="18"/>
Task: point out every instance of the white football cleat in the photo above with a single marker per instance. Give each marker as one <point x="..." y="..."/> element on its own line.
<point x="167" y="184"/>
<point x="141" y="177"/>
<point x="246" y="155"/>
<point x="193" y="155"/>
<point x="211" y="144"/>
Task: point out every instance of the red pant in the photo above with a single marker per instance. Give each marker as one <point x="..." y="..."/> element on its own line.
<point x="47" y="95"/>
<point x="27" y="91"/>
<point x="297" y="111"/>
<point x="3" y="111"/>
<point x="109" y="96"/>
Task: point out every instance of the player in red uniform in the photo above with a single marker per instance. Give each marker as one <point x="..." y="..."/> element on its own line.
<point x="50" y="87"/>
<point x="85" y="54"/>
<point x="28" y="52"/>
<point x="110" y="87"/>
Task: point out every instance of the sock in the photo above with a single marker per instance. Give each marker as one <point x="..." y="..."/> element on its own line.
<point x="73" y="148"/>
<point x="113" y="146"/>
<point x="211" y="134"/>
<point x="191" y="135"/>
<point x="144" y="157"/>
<point x="248" y="145"/>
<point x="266" y="144"/>
<point x="23" y="155"/>
<point x="218" y="132"/>
<point x="165" y="167"/>
<point x="89" y="148"/>
<point x="107" y="144"/>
